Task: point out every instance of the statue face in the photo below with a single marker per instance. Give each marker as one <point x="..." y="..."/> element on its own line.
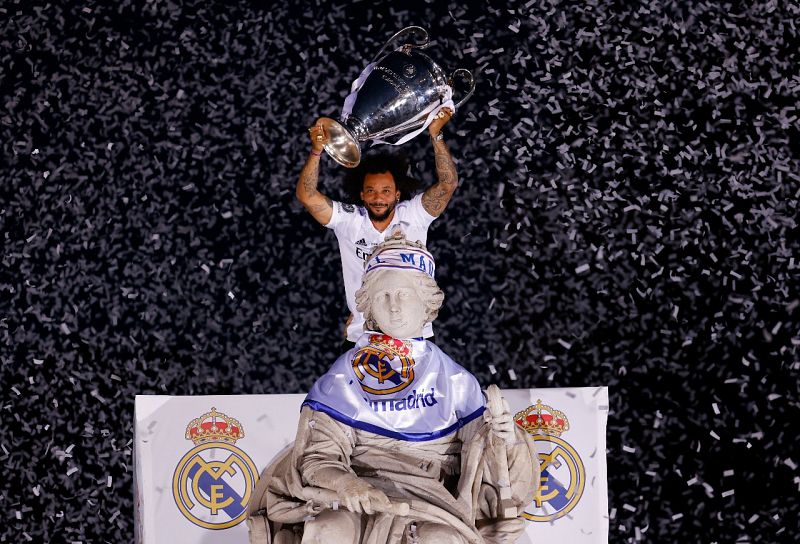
<point x="396" y="305"/>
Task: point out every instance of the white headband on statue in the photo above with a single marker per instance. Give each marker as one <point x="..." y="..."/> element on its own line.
<point x="399" y="254"/>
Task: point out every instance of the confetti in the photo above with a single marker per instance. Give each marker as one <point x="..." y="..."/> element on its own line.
<point x="626" y="216"/>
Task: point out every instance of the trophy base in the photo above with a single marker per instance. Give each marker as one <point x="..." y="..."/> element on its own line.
<point x="342" y="145"/>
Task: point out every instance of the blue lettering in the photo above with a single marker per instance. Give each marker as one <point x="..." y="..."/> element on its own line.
<point x="408" y="258"/>
<point x="430" y="398"/>
<point x="418" y="400"/>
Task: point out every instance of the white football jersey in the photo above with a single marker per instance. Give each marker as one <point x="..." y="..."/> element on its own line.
<point x="357" y="239"/>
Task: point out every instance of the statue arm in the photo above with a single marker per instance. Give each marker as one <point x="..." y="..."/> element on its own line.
<point x="515" y="459"/>
<point x="326" y="464"/>
<point x="523" y="467"/>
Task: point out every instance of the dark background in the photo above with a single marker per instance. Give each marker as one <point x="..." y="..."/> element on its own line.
<point x="151" y="241"/>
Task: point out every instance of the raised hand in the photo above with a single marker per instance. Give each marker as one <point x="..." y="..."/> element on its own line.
<point x="319" y="136"/>
<point x="441" y="119"/>
<point x="498" y="415"/>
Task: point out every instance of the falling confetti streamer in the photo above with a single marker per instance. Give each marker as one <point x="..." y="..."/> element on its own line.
<point x="629" y="180"/>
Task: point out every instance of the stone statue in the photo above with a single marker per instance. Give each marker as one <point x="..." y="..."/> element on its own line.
<point x="396" y="442"/>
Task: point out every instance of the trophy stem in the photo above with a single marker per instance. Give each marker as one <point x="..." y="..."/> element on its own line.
<point x="342" y="144"/>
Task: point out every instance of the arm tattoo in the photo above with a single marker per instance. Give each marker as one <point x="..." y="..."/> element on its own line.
<point x="315" y="202"/>
<point x="437" y="196"/>
<point x="309" y="178"/>
<point x="317" y="208"/>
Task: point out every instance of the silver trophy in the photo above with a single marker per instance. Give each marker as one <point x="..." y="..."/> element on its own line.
<point x="394" y="98"/>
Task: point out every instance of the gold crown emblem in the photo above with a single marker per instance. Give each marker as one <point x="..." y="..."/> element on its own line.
<point x="214" y="426"/>
<point x="393" y="346"/>
<point x="542" y="419"/>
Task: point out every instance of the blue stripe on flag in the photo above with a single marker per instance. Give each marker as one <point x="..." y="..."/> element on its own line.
<point x="206" y="481"/>
<point x="410" y="437"/>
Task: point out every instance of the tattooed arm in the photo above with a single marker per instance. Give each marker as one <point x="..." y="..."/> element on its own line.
<point x="435" y="199"/>
<point x="318" y="205"/>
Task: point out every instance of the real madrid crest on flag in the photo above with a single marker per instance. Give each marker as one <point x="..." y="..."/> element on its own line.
<point x="375" y="363"/>
<point x="563" y="476"/>
<point x="213" y="482"/>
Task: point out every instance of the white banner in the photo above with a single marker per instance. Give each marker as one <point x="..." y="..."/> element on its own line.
<point x="198" y="458"/>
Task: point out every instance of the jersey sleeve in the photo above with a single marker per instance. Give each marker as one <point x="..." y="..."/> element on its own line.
<point x="344" y="218"/>
<point x="336" y="215"/>
<point x="417" y="213"/>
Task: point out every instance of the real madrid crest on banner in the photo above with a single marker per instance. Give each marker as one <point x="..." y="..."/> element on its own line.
<point x="213" y="482"/>
<point x="563" y="475"/>
<point x="384" y="366"/>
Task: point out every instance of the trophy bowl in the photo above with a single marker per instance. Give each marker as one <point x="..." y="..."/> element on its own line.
<point x="394" y="97"/>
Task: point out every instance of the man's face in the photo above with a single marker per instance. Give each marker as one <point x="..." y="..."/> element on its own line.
<point x="380" y="195"/>
<point x="396" y="305"/>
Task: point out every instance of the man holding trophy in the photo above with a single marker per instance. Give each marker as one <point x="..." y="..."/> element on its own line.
<point x="398" y="96"/>
<point x="360" y="228"/>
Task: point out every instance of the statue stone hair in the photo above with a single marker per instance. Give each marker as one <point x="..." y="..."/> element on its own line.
<point x="428" y="291"/>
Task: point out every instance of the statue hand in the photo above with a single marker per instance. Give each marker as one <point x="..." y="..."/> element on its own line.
<point x="498" y="415"/>
<point x="359" y="496"/>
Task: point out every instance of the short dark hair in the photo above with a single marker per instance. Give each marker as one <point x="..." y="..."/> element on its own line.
<point x="378" y="163"/>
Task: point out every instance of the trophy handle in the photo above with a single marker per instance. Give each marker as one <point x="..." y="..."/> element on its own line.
<point x="407" y="31"/>
<point x="466" y="75"/>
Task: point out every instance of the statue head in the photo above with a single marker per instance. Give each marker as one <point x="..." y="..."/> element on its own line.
<point x="398" y="294"/>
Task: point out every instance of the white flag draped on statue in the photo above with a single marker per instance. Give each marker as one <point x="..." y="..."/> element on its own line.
<point x="197" y="460"/>
<point x="444" y="398"/>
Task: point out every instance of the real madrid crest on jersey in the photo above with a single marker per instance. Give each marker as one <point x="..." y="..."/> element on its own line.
<point x="384" y="366"/>
<point x="213" y="482"/>
<point x="563" y="476"/>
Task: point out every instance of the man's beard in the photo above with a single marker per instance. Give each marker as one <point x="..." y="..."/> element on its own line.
<point x="383" y="216"/>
